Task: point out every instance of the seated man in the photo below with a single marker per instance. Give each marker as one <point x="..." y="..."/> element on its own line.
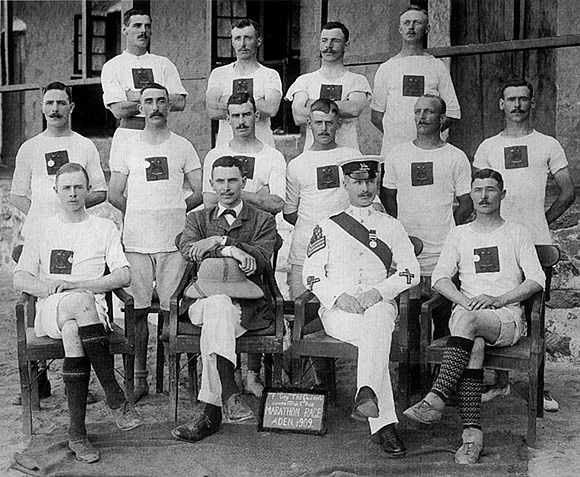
<point x="232" y="229"/>
<point x="498" y="268"/>
<point x="357" y="263"/>
<point x="63" y="264"/>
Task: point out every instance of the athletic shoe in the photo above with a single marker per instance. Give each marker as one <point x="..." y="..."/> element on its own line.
<point x="424" y="412"/>
<point x="234" y="410"/>
<point x="550" y="404"/>
<point x="253" y="384"/>
<point x="126" y="417"/>
<point x="495" y="392"/>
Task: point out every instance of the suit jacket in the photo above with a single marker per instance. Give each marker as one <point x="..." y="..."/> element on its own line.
<point x="254" y="232"/>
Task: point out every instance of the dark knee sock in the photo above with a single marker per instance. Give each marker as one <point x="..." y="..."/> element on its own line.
<point x="226" y="371"/>
<point x="141" y="338"/>
<point x="76" y="373"/>
<point x="96" y="345"/>
<point x="470" y="389"/>
<point x="455" y="359"/>
<point x="255" y="362"/>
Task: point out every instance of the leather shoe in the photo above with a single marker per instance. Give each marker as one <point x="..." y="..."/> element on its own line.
<point x="197" y="429"/>
<point x="390" y="441"/>
<point x="365" y="405"/>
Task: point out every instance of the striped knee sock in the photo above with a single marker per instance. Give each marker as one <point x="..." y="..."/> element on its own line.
<point x="470" y="389"/>
<point x="455" y="359"/>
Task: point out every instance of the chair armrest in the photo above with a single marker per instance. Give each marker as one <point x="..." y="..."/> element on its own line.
<point x="21" y="322"/>
<point x="175" y="300"/>
<point x="274" y="290"/>
<point x="404" y="299"/>
<point x="300" y="317"/>
<point x="427" y="310"/>
<point x="537" y="320"/>
<point x="129" y="313"/>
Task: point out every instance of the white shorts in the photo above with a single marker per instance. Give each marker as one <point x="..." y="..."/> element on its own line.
<point x="46" y="320"/>
<point x="160" y="271"/>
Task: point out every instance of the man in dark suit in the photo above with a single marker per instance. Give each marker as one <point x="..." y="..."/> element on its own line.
<point x="233" y="229"/>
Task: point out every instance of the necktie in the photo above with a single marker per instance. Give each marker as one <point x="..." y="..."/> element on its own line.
<point x="231" y="212"/>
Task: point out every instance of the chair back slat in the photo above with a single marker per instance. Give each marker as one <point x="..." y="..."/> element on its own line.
<point x="549" y="255"/>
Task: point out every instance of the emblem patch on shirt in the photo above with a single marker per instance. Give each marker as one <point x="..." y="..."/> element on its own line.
<point x="413" y="85"/>
<point x="248" y="165"/>
<point x="421" y="173"/>
<point x="331" y="91"/>
<point x="327" y="177"/>
<point x="61" y="261"/>
<point x="142" y="77"/>
<point x="486" y="259"/>
<point x="55" y="160"/>
<point x="156" y="169"/>
<point x="408" y="275"/>
<point x="317" y="241"/>
<point x="243" y="85"/>
<point x="516" y="157"/>
<point x="310" y="281"/>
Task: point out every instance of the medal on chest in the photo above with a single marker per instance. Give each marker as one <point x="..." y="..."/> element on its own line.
<point x="372" y="238"/>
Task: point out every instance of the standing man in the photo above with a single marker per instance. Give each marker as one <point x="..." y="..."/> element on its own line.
<point x="63" y="264"/>
<point x="265" y="174"/>
<point x="245" y="75"/>
<point x="357" y="263"/>
<point x="313" y="185"/>
<point x="405" y="77"/>
<point x="37" y="163"/>
<point x="525" y="158"/>
<point x="498" y="268"/>
<point x="151" y="167"/>
<point x="233" y="229"/>
<point x="125" y="75"/>
<point x="350" y="91"/>
<point x="422" y="180"/>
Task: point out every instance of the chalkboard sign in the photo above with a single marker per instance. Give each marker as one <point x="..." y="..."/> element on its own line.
<point x="293" y="410"/>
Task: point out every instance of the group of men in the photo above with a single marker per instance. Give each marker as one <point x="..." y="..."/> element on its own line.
<point x="353" y="256"/>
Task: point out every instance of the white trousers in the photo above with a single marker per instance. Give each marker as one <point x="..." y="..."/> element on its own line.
<point x="220" y="325"/>
<point x="371" y="333"/>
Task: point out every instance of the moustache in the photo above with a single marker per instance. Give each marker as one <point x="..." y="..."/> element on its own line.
<point x="517" y="111"/>
<point x="484" y="202"/>
<point x="155" y="114"/>
<point x="55" y="115"/>
<point x="243" y="126"/>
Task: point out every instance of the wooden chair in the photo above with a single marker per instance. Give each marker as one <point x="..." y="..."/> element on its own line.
<point x="526" y="356"/>
<point x="32" y="349"/>
<point x="184" y="337"/>
<point x="310" y="340"/>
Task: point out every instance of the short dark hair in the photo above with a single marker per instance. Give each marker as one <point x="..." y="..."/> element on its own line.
<point x="58" y="86"/>
<point x="341" y="26"/>
<point x="155" y="86"/>
<point x="134" y="12"/>
<point x="517" y="82"/>
<point x="327" y="106"/>
<point x="69" y="168"/>
<point x="241" y="98"/>
<point x="246" y="22"/>
<point x="442" y="103"/>
<point x="415" y="8"/>
<point x="228" y="161"/>
<point x="488" y="174"/>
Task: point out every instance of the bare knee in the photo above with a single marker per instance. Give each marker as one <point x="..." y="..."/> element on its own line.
<point x="465" y="325"/>
<point x="78" y="306"/>
<point x="71" y="339"/>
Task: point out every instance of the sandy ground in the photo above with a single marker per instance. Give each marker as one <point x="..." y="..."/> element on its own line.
<point x="558" y="433"/>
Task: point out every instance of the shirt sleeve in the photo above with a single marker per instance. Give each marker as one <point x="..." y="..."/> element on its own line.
<point x="361" y="85"/>
<point x="118" y="161"/>
<point x="113" y="91"/>
<point x="173" y="81"/>
<point x="408" y="272"/>
<point x="114" y="255"/>
<point x="481" y="159"/>
<point x="462" y="176"/>
<point x="29" y="260"/>
<point x="207" y="163"/>
<point x="447" y="91"/>
<point x="296" y="87"/>
<point x="94" y="170"/>
<point x="390" y="177"/>
<point x="192" y="161"/>
<point x="273" y="81"/>
<point x="22" y="178"/>
<point x="380" y="91"/>
<point x="292" y="189"/>
<point x="277" y="179"/>
<point x="528" y="259"/>
<point x="448" y="263"/>
<point x="214" y="80"/>
<point x="557" y="159"/>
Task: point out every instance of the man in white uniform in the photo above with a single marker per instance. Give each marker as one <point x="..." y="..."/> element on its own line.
<point x="350" y="91"/>
<point x="405" y="77"/>
<point x="245" y="75"/>
<point x="125" y="75"/>
<point x="357" y="263"/>
<point x="313" y="185"/>
<point x="498" y="268"/>
<point x="422" y="180"/>
<point x="265" y="173"/>
<point x="526" y="158"/>
<point x="37" y="162"/>
<point x="151" y="167"/>
<point x="63" y="264"/>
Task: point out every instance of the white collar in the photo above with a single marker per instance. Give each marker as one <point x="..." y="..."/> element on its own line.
<point x="237" y="209"/>
<point x="360" y="212"/>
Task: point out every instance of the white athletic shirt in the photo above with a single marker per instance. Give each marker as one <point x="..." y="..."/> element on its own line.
<point x="223" y="78"/>
<point x="72" y="252"/>
<point x="427" y="182"/>
<point x="524" y="163"/>
<point x="127" y="72"/>
<point x="266" y="168"/>
<point x="317" y="86"/>
<point x="314" y="189"/>
<point x="398" y="84"/>
<point x="155" y="200"/>
<point x="37" y="163"/>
